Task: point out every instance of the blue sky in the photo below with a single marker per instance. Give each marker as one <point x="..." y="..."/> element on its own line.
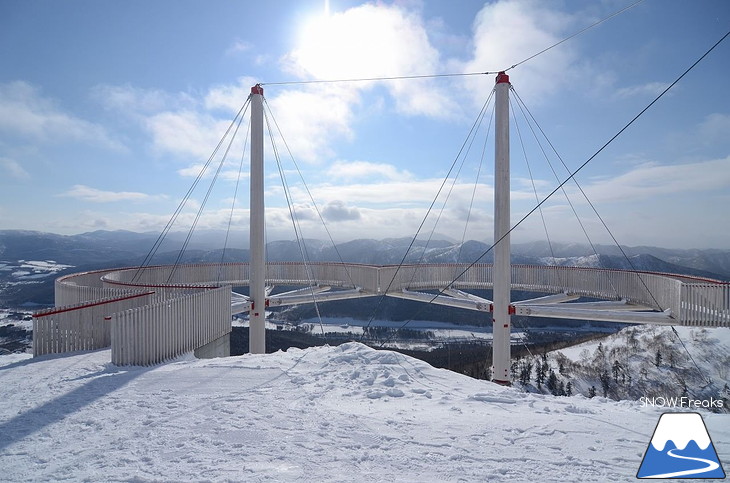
<point x="108" y="109"/>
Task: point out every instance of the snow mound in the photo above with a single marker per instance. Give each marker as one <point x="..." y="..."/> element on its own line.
<point x="347" y="413"/>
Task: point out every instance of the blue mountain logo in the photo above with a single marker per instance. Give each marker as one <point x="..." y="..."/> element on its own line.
<point x="680" y="448"/>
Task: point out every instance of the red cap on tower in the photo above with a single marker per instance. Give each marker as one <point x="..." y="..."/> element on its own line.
<point x="257" y="89"/>
<point x="502" y="77"/>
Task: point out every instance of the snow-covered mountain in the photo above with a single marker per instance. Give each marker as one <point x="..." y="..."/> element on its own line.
<point x="638" y="363"/>
<point x="347" y="413"/>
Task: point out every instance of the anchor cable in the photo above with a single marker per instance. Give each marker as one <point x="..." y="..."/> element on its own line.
<point x="295" y="222"/>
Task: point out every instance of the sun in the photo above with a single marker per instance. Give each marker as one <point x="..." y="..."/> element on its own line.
<point x="344" y="45"/>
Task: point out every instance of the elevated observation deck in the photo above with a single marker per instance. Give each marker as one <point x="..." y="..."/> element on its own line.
<point x="614" y="295"/>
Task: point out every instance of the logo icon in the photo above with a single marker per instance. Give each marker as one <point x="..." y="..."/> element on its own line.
<point x="680" y="448"/>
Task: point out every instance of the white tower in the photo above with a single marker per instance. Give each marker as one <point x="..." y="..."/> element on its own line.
<point x="501" y="314"/>
<point x="257" y="227"/>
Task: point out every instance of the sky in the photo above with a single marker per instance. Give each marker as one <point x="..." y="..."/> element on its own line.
<point x="109" y="110"/>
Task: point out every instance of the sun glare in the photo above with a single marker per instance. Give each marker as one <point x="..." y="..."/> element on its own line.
<point x="344" y="45"/>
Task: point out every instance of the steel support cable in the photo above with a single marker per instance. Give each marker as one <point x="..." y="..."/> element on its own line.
<point x="595" y="24"/>
<point x="576" y="171"/>
<point x="311" y="197"/>
<point x="448" y="194"/>
<point x="428" y="212"/>
<point x="295" y="223"/>
<point x="709" y="381"/>
<point x="205" y="200"/>
<point x="183" y="202"/>
<point x="484" y="146"/>
<point x="631" y="122"/>
<point x="537" y="199"/>
<point x="523" y="108"/>
<point x="532" y="180"/>
<point x="235" y="197"/>
<point x="476" y="184"/>
<point x="628" y="260"/>
<point x="373" y="79"/>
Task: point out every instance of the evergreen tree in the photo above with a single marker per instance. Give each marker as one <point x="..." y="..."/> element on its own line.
<point x="592" y="392"/>
<point x="569" y="389"/>
<point x="605" y="383"/>
<point x="540" y="375"/>
<point x="526" y="373"/>
<point x="658" y="359"/>
<point x="616" y="368"/>
<point x="552" y="383"/>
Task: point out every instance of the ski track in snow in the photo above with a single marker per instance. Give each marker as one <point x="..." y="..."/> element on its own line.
<point x="347" y="413"/>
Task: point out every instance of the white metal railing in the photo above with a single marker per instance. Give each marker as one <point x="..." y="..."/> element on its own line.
<point x="78" y="327"/>
<point x="705" y="304"/>
<point x="86" y="286"/>
<point x="690" y="300"/>
<point x="166" y="329"/>
<point x="196" y="276"/>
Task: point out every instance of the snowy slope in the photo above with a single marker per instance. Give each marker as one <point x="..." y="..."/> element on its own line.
<point x="347" y="413"/>
<point x="694" y="357"/>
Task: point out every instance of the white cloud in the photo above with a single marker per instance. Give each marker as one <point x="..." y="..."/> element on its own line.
<point x="229" y="97"/>
<point x="509" y="31"/>
<point x="368" y="40"/>
<point x="180" y="123"/>
<point x="131" y="100"/>
<point x="652" y="179"/>
<point x="25" y="112"/>
<point x="373" y="40"/>
<point x="406" y="192"/>
<point x="86" y="193"/>
<point x="387" y="192"/>
<point x="311" y="120"/>
<point x="186" y="133"/>
<point x="651" y="89"/>
<point x="714" y="129"/>
<point x="239" y="46"/>
<point x="349" y="170"/>
<point x="229" y="172"/>
<point x="13" y="169"/>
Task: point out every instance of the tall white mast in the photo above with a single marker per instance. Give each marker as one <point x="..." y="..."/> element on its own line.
<point x="502" y="269"/>
<point x="257" y="249"/>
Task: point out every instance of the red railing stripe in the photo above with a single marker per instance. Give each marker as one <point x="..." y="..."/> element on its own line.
<point x="93" y="304"/>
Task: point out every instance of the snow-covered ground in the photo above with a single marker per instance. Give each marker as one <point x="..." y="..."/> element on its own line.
<point x="28" y="270"/>
<point x="347" y="413"/>
<point x="18" y="317"/>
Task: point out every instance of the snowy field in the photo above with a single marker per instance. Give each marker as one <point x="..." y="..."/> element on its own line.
<point x="27" y="270"/>
<point x="346" y="413"/>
